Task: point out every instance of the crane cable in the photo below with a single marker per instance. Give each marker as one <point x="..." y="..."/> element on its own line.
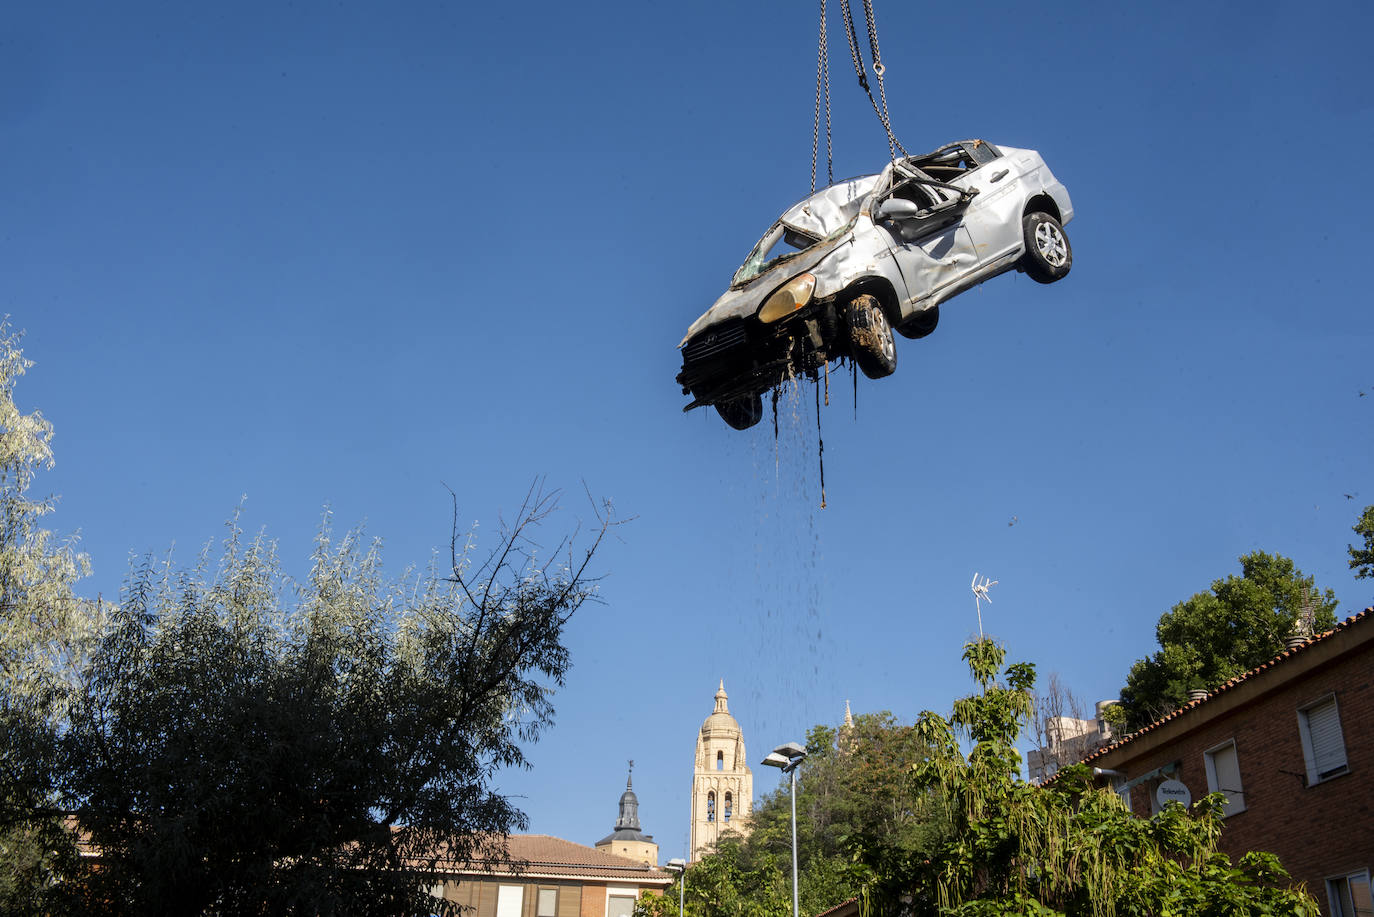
<point x="823" y="85"/>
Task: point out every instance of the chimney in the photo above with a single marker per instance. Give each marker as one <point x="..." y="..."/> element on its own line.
<point x="1197" y="694"/>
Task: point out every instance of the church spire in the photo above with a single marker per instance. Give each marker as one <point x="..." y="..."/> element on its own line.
<point x="629" y="805"/>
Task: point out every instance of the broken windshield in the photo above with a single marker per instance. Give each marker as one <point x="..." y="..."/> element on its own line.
<point x="819" y="218"/>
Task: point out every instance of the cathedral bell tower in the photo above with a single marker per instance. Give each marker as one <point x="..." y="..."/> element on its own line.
<point x="722" y="784"/>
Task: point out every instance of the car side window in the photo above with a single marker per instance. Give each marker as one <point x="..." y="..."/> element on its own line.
<point x="949" y="163"/>
<point x="922" y="196"/>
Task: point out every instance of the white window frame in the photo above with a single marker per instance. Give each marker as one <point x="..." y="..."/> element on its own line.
<point x="1333" y="899"/>
<point x="539" y="894"/>
<point x="613" y="891"/>
<point x="505" y="894"/>
<point x="1309" y="754"/>
<point x="1235" y="798"/>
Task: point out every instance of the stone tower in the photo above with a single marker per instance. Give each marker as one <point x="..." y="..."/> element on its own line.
<point x="722" y="784"/>
<point x="627" y="840"/>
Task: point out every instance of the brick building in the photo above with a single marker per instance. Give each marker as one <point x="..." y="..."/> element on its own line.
<point x="1291" y="744"/>
<point x="556" y="878"/>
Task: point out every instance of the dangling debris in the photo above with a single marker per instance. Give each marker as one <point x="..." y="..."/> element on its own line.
<point x="820" y="446"/>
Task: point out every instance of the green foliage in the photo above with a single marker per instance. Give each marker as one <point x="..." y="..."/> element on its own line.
<point x="1362" y="558"/>
<point x="859" y="819"/>
<point x="1067" y="848"/>
<point x="42" y="623"/>
<point x="728" y="883"/>
<point x="246" y="744"/>
<point x="1217" y="635"/>
<point x="44" y="630"/>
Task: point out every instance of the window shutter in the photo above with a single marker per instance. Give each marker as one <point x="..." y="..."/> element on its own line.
<point x="1224" y="776"/>
<point x="510" y="900"/>
<point x="1328" y="746"/>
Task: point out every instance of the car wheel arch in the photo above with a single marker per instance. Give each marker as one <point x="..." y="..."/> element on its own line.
<point x="881" y="289"/>
<point x="1042" y="203"/>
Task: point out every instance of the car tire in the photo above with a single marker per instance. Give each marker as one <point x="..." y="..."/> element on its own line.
<point x="741" y="413"/>
<point x="870" y="336"/>
<point x="920" y="324"/>
<point x="1048" y="254"/>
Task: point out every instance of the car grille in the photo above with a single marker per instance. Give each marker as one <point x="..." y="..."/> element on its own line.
<point x="714" y="341"/>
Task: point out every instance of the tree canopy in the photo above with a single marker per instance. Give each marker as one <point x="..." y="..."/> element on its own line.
<point x="1214" y="636"/>
<point x="230" y="739"/>
<point x="1014" y="848"/>
<point x="44" y="629"/>
<point x="1362" y="557"/>
<point x="934" y="820"/>
<point x="860" y="820"/>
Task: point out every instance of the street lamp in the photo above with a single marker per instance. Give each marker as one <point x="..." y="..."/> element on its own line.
<point x="679" y="866"/>
<point x="788" y="757"/>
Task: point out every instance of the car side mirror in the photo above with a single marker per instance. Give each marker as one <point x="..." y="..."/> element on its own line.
<point x="896" y="208"/>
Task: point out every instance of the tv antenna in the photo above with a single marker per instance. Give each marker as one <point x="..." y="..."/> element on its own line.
<point x="980" y="593"/>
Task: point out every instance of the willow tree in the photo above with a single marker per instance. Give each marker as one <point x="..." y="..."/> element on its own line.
<point x="43" y="630"/>
<point x="1014" y="848"/>
<point x="248" y="744"/>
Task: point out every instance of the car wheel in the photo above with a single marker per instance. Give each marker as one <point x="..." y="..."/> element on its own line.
<point x="870" y="336"/>
<point x="920" y="324"/>
<point x="1048" y="255"/>
<point x="742" y="412"/>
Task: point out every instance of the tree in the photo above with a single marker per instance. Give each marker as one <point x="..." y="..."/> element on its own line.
<point x="727" y="883"/>
<point x="1217" y="635"/>
<point x="44" y="629"/>
<point x="858" y="818"/>
<point x="244" y="744"/>
<point x="1362" y="559"/>
<point x="1013" y="848"/>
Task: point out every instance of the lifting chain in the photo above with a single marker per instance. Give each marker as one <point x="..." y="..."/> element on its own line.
<point x="878" y="69"/>
<point x="823" y="85"/>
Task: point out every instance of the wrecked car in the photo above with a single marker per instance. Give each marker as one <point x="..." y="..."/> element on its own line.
<point x="840" y="270"/>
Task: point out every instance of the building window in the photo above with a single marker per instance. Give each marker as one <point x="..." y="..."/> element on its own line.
<point x="1349" y="895"/>
<point x="510" y="900"/>
<point x="548" y="903"/>
<point x="1323" y="746"/>
<point x="1223" y="776"/>
<point x="728" y="807"/>
<point x="620" y="902"/>
<point x="720" y="760"/>
<point x="711" y="806"/>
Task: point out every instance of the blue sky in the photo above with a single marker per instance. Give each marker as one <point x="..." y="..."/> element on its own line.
<point x="345" y="253"/>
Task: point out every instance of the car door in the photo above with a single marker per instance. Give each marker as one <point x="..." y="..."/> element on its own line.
<point x="993" y="218"/>
<point x="932" y="248"/>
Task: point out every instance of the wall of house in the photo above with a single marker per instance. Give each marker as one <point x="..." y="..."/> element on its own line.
<point x="576" y="898"/>
<point x="480" y="895"/>
<point x="1317" y="831"/>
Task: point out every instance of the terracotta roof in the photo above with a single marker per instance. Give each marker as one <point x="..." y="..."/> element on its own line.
<point x="540" y="855"/>
<point x="846" y="908"/>
<point x="1366" y="615"/>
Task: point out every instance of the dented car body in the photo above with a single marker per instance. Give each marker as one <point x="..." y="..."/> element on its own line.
<point x="838" y="271"/>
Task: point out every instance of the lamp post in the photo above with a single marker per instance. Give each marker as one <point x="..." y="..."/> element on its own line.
<point x="788" y="757"/>
<point x="679" y="866"/>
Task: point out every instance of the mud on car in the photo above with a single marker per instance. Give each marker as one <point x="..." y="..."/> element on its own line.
<point x="840" y="270"/>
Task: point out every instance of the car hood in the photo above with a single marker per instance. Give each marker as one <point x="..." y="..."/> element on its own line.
<point x="742" y="302"/>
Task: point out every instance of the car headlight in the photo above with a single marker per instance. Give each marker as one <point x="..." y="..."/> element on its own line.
<point x="788" y="298"/>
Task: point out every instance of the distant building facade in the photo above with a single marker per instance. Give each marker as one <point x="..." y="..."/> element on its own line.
<point x="555" y="878"/>
<point x="1068" y="740"/>
<point x="1291" y="745"/>
<point x="722" y="784"/>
